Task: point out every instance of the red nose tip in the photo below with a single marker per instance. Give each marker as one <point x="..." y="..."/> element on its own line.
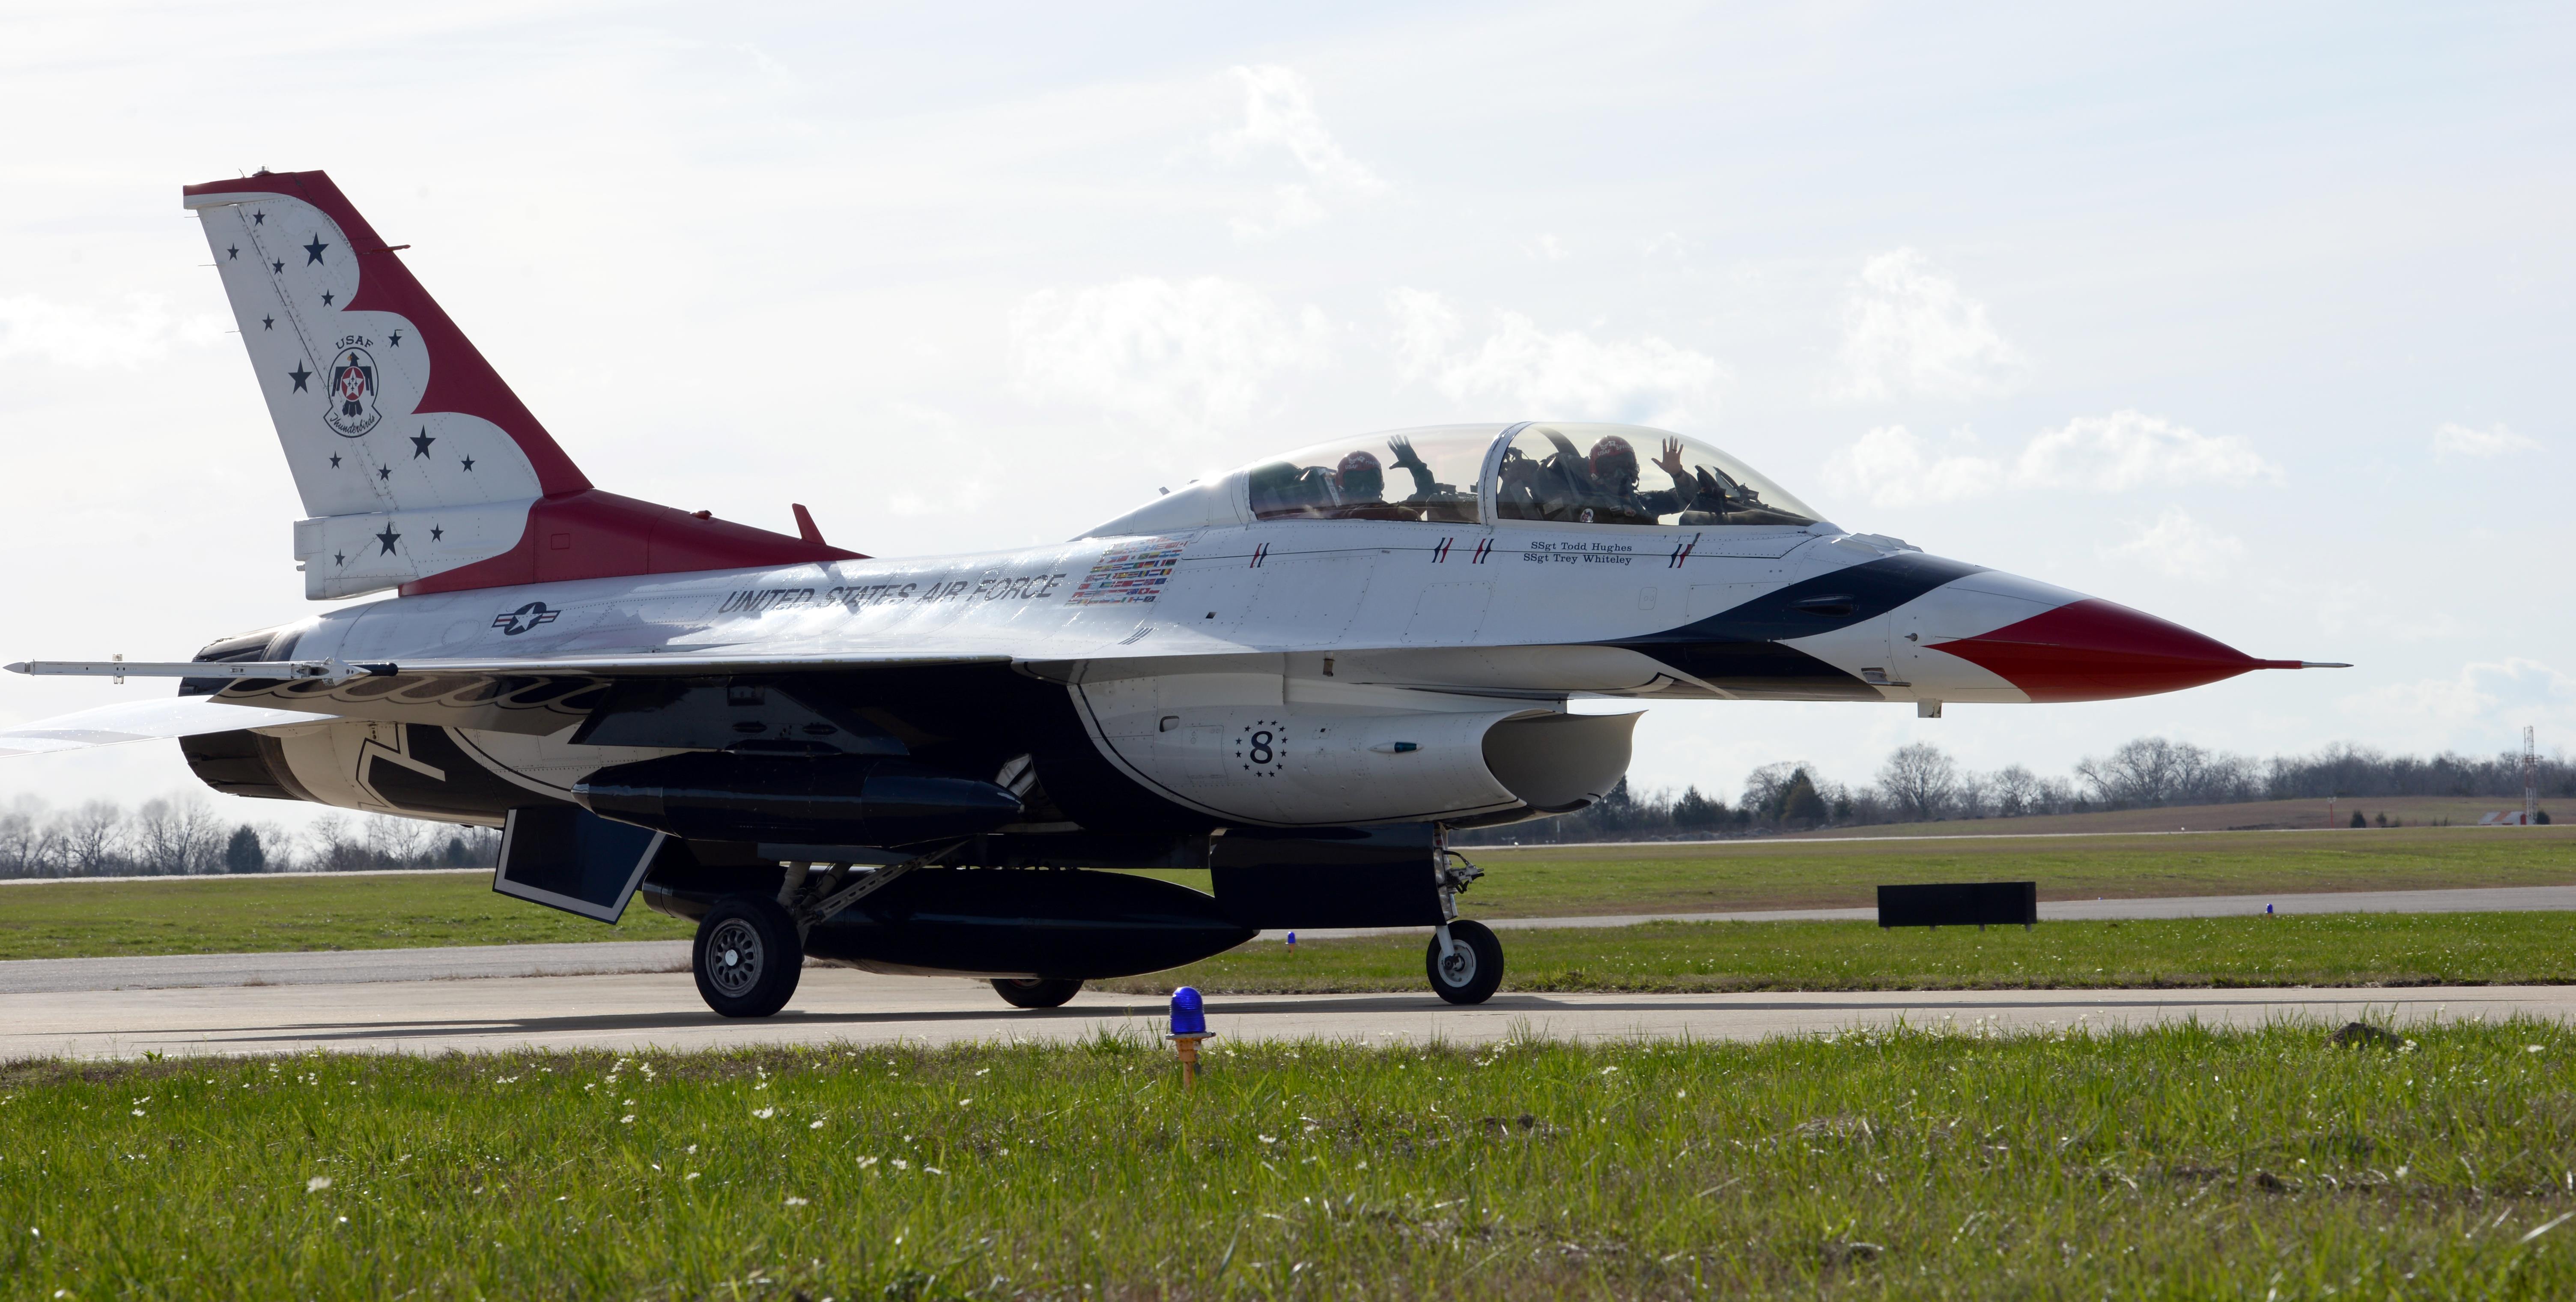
<point x="2093" y="650"/>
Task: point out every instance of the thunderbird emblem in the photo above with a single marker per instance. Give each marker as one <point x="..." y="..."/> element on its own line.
<point x="350" y="410"/>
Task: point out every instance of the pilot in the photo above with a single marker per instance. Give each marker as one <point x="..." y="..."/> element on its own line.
<point x="1359" y="484"/>
<point x="1614" y="498"/>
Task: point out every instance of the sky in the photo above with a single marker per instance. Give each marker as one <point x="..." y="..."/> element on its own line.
<point x="2257" y="318"/>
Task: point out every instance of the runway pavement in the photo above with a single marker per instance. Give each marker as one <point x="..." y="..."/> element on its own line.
<point x="638" y="1011"/>
<point x="631" y="995"/>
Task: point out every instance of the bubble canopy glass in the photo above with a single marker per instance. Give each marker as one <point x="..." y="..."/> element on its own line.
<point x="1568" y="473"/>
<point x="1632" y="475"/>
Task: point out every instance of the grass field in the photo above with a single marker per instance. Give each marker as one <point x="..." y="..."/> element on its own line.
<point x="2176" y="1163"/>
<point x="220" y="915"/>
<point x="2416" y="811"/>
<point x="1721" y="875"/>
<point x="239" y="915"/>
<point x="2361" y="949"/>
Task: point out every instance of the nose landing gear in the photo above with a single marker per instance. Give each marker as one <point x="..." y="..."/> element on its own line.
<point x="1464" y="961"/>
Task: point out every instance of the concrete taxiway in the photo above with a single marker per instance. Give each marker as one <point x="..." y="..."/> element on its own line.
<point x="636" y="1011"/>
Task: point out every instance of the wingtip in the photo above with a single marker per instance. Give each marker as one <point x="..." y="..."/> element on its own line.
<point x="2304" y="664"/>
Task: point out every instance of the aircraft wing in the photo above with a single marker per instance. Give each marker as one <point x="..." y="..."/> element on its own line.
<point x="682" y="664"/>
<point x="535" y="696"/>
<point x="159" y="719"/>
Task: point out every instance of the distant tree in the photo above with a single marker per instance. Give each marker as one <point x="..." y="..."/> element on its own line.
<point x="1799" y="805"/>
<point x="2358" y="820"/>
<point x="1920" y="781"/>
<point x="2541" y="817"/>
<point x="1697" y="813"/>
<point x="92" y="838"/>
<point x="243" y="853"/>
<point x="2010" y="788"/>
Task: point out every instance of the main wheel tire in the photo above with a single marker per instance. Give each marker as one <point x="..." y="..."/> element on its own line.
<point x="747" y="956"/>
<point x="1473" y="971"/>
<point x="1037" y="992"/>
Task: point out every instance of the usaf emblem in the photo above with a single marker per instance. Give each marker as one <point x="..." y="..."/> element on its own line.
<point x="514" y="622"/>
<point x="351" y="409"/>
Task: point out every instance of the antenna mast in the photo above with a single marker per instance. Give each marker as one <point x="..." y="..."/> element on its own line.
<point x="2530" y="779"/>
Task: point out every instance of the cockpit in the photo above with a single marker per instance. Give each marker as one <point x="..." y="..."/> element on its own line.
<point x="1615" y="476"/>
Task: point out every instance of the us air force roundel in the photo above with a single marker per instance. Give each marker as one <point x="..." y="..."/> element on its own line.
<point x="351" y="407"/>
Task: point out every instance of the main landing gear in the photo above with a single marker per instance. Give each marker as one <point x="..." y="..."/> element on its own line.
<point x="1037" y="992"/>
<point x="1464" y="960"/>
<point x="750" y="949"/>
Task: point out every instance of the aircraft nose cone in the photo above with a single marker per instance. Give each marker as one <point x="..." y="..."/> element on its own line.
<point x="2095" y="650"/>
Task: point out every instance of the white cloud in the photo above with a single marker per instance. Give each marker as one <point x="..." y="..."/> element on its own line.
<point x="1180" y="357"/>
<point x="2461" y="441"/>
<point x="1279" y="116"/>
<point x="1909" y="331"/>
<point x="1893" y="466"/>
<point x="2130" y="449"/>
<point x="78" y="335"/>
<point x="2505" y="695"/>
<point x="2181" y="547"/>
<point x="1566" y="374"/>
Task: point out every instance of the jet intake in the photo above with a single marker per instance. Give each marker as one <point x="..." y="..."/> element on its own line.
<point x="831" y="799"/>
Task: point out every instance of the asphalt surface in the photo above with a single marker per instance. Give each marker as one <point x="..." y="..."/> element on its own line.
<point x="836" y="1006"/>
<point x="624" y="996"/>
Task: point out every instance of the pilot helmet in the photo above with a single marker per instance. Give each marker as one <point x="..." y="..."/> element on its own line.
<point x="1613" y="462"/>
<point x="1359" y="476"/>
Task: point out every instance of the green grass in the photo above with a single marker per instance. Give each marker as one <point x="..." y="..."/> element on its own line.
<point x="2354" y="949"/>
<point x="240" y="915"/>
<point x="1538" y="882"/>
<point x="2173" y="1163"/>
<point x="233" y="915"/>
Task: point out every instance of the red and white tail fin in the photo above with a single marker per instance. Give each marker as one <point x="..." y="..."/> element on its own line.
<point x="418" y="467"/>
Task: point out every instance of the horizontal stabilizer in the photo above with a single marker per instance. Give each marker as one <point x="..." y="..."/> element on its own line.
<point x="329" y="671"/>
<point x="159" y="719"/>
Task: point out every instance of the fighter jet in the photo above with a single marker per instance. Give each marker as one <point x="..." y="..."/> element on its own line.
<point x="1302" y="676"/>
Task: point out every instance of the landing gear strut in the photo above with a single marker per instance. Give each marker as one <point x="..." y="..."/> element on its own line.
<point x="1464" y="960"/>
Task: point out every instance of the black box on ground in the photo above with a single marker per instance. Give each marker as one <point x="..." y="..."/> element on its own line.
<point x="1959" y="904"/>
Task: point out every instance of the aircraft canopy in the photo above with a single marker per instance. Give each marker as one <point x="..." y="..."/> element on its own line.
<point x="1601" y="475"/>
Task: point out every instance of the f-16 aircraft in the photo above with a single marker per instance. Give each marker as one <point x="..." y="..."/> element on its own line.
<point x="1302" y="676"/>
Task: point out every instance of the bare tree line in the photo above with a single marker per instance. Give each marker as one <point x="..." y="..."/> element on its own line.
<point x="1921" y="783"/>
<point x="183" y="835"/>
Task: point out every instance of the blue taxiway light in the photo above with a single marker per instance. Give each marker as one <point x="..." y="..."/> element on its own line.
<point x="1189" y="1012"/>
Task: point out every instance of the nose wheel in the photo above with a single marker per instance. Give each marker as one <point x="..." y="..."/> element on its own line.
<point x="747" y="956"/>
<point x="1468" y="967"/>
